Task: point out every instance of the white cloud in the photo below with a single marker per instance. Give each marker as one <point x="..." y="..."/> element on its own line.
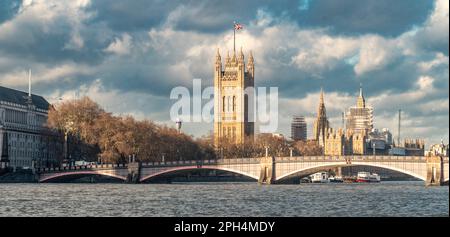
<point x="318" y="51"/>
<point x="440" y="59"/>
<point x="42" y="73"/>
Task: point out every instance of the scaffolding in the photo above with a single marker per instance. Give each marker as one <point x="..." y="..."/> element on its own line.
<point x="359" y="119"/>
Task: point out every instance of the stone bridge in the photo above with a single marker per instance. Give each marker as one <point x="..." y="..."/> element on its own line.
<point x="267" y="170"/>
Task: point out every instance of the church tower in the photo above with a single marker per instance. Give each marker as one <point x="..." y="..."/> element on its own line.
<point x="321" y="123"/>
<point x="360" y="117"/>
<point x="361" y="102"/>
<point x="231" y="104"/>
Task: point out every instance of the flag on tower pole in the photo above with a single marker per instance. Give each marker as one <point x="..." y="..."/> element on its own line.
<point x="237" y="26"/>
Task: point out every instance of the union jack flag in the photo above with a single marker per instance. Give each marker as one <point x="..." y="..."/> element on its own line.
<point x="238" y="26"/>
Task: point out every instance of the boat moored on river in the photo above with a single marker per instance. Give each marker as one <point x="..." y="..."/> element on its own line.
<point x="367" y="177"/>
<point x="320" y="177"/>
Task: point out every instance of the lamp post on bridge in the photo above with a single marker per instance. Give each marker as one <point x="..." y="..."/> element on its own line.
<point x="68" y="128"/>
<point x="178" y="123"/>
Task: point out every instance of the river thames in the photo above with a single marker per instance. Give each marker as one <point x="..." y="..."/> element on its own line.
<point x="224" y="199"/>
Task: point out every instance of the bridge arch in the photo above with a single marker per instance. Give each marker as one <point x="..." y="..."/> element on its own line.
<point x="313" y="169"/>
<point x="78" y="174"/>
<point x="193" y="168"/>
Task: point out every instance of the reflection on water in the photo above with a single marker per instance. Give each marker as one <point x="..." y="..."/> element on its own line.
<point x="224" y="199"/>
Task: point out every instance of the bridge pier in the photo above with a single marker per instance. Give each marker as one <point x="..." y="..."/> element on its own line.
<point x="435" y="171"/>
<point x="267" y="173"/>
<point x="134" y="172"/>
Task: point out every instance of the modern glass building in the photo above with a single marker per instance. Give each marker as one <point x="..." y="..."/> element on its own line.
<point x="298" y="128"/>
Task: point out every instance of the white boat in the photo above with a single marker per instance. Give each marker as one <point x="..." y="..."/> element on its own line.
<point x="367" y="177"/>
<point x="321" y="177"/>
<point x="336" y="179"/>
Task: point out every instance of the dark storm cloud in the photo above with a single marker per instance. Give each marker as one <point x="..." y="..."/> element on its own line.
<point x="8" y="8"/>
<point x="131" y="15"/>
<point x="204" y="16"/>
<point x="51" y="41"/>
<point x="384" y="17"/>
<point x="351" y="17"/>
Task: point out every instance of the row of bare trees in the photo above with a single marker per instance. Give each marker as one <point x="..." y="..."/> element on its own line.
<point x="95" y="134"/>
<point x="275" y="145"/>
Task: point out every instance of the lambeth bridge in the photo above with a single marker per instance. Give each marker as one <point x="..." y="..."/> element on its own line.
<point x="265" y="170"/>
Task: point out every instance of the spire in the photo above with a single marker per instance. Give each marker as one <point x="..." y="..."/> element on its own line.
<point x="321" y="124"/>
<point x="361" y="102"/>
<point x="321" y="95"/>
<point x="250" y="57"/>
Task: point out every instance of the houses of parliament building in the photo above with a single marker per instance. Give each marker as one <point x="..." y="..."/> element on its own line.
<point x="231" y="104"/>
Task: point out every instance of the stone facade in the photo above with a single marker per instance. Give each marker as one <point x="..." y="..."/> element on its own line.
<point x="359" y="145"/>
<point x="414" y="147"/>
<point x="340" y="142"/>
<point x="22" y="129"/>
<point x="438" y="150"/>
<point x="232" y="106"/>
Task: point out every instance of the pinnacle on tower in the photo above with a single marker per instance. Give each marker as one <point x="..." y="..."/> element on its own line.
<point x="227" y="59"/>
<point x="250" y="57"/>
<point x="234" y="60"/>
<point x="241" y="56"/>
<point x="217" y="53"/>
<point x="218" y="58"/>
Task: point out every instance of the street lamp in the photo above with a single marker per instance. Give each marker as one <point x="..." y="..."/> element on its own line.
<point x="68" y="127"/>
<point x="178" y="122"/>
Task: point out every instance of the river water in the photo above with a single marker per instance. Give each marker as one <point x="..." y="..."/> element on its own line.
<point x="224" y="199"/>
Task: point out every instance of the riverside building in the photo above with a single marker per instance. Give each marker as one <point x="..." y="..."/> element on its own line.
<point x="232" y="121"/>
<point x="25" y="141"/>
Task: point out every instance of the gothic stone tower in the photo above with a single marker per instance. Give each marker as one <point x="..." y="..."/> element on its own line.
<point x="321" y="123"/>
<point x="231" y="103"/>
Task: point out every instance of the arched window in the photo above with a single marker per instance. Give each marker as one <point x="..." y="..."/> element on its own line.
<point x="234" y="103"/>
<point x="223" y="104"/>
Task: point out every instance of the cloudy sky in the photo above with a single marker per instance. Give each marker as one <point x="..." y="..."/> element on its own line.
<point x="128" y="55"/>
